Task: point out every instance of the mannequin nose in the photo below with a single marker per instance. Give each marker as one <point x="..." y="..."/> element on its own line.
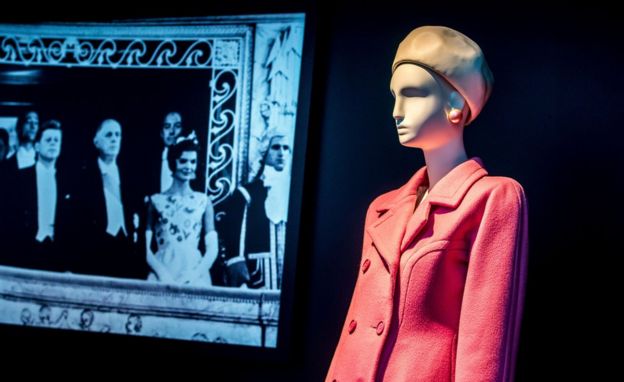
<point x="397" y="112"/>
<point x="398" y="120"/>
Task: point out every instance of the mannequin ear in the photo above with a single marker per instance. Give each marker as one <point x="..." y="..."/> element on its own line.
<point x="456" y="105"/>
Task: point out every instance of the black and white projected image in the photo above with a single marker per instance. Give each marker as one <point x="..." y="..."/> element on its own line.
<point x="145" y="174"/>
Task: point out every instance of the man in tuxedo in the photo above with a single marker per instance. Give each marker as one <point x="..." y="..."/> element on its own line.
<point x="27" y="128"/>
<point x="24" y="155"/>
<point x="170" y="131"/>
<point x="8" y="169"/>
<point x="38" y="206"/>
<point x="4" y="150"/>
<point x="108" y="211"/>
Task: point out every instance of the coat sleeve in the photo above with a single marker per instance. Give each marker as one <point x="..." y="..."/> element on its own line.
<point x="493" y="296"/>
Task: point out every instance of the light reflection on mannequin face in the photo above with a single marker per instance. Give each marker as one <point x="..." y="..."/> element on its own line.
<point x="420" y="108"/>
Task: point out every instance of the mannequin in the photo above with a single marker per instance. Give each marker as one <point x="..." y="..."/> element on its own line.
<point x="440" y="288"/>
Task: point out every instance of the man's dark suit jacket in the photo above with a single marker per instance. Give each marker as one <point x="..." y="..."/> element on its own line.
<point x="20" y="224"/>
<point x="100" y="253"/>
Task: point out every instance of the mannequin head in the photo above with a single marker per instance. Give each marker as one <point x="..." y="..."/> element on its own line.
<point x="440" y="82"/>
<point x="428" y="111"/>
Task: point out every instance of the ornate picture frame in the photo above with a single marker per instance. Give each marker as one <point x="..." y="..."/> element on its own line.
<point x="251" y="66"/>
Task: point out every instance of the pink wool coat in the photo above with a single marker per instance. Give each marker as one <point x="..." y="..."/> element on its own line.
<point x="440" y="289"/>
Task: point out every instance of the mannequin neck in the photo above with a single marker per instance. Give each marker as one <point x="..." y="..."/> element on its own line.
<point x="441" y="160"/>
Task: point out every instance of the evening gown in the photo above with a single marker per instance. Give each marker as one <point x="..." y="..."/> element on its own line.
<point x="177" y="229"/>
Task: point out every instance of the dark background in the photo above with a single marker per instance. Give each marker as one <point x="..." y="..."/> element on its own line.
<point x="554" y="123"/>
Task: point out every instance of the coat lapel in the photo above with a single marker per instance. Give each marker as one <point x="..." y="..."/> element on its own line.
<point x="416" y="223"/>
<point x="388" y="230"/>
<point x="398" y="224"/>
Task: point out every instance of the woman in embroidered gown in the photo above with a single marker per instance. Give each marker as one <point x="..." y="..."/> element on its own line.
<point x="176" y="220"/>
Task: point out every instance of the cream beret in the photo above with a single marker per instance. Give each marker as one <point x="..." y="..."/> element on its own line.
<point x="453" y="56"/>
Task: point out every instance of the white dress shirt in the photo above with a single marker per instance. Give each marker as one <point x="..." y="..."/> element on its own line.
<point x="25" y="157"/>
<point x="46" y="201"/>
<point x="166" y="176"/>
<point x="276" y="203"/>
<point x="112" y="194"/>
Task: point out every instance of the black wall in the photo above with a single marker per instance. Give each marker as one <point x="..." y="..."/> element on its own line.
<point x="554" y="123"/>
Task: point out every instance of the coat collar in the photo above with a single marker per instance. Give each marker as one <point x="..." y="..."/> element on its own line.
<point x="397" y="208"/>
<point x="448" y="192"/>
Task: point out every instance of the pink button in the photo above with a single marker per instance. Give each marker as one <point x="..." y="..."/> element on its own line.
<point x="365" y="265"/>
<point x="380" y="328"/>
<point x="352" y="326"/>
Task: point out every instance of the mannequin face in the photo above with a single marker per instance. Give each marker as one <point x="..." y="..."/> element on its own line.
<point x="420" y="108"/>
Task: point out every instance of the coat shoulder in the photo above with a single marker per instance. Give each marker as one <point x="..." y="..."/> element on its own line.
<point x="498" y="184"/>
<point x="498" y="191"/>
